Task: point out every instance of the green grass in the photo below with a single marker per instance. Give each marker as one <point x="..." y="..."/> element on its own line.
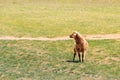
<point x="52" y="18"/>
<point x="52" y="60"/>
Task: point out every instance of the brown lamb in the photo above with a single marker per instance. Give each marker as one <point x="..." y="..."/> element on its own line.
<point x="80" y="45"/>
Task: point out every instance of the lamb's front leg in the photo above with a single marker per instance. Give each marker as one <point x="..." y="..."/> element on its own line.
<point x="83" y="56"/>
<point x="79" y="56"/>
<point x="74" y="55"/>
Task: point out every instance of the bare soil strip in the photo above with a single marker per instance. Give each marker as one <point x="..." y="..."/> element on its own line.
<point x="88" y="37"/>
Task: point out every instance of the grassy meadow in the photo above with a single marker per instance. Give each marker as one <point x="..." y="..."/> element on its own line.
<point x="52" y="18"/>
<point x="52" y="60"/>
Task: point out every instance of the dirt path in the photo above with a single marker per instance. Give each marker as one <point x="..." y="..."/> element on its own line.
<point x="89" y="37"/>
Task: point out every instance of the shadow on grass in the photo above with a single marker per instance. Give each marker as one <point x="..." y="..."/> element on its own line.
<point x="70" y="61"/>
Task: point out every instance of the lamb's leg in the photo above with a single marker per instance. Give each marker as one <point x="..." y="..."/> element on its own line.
<point x="74" y="56"/>
<point x="79" y="56"/>
<point x="83" y="56"/>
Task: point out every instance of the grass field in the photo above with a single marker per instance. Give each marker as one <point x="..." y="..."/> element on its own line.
<point x="52" y="18"/>
<point x="52" y="60"/>
<point x="48" y="60"/>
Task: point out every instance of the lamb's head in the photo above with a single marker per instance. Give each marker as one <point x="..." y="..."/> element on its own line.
<point x="74" y="34"/>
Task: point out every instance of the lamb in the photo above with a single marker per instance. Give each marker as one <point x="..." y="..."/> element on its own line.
<point x="80" y="45"/>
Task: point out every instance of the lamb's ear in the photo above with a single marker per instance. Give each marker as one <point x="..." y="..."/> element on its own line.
<point x="77" y="38"/>
<point x="77" y="35"/>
